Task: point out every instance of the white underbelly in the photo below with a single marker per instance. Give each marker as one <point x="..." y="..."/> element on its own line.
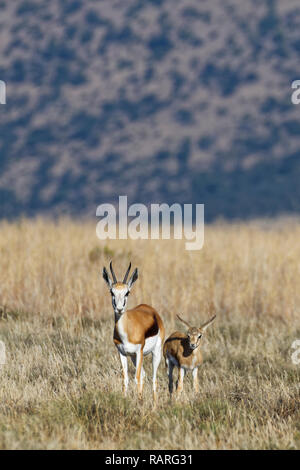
<point x="151" y="343"/>
<point x="126" y="348"/>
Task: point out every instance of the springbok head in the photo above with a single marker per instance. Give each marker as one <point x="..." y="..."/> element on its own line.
<point x="194" y="334"/>
<point x="119" y="290"/>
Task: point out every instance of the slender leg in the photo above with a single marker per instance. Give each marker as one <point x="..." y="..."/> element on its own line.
<point x="195" y="380"/>
<point x="133" y="358"/>
<point x="125" y="372"/>
<point x="156" y="357"/>
<point x="180" y="381"/>
<point x="138" y="372"/>
<point x="170" y="366"/>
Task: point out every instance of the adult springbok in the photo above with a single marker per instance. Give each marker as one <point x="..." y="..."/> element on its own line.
<point x="182" y="350"/>
<point x="138" y="332"/>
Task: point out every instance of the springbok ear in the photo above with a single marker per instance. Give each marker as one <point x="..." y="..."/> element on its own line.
<point x="106" y="277"/>
<point x="133" y="278"/>
<point x="205" y="325"/>
<point x="183" y="321"/>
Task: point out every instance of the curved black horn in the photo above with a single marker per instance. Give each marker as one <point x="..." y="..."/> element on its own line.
<point x="112" y="272"/>
<point x="126" y="275"/>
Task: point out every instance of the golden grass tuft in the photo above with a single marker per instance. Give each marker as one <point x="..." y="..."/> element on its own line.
<point x="61" y="384"/>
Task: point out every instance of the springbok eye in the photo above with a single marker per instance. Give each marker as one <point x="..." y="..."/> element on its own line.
<point x="199" y="336"/>
<point x="127" y="294"/>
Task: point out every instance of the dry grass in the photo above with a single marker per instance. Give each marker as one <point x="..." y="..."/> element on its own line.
<point x="61" y="384"/>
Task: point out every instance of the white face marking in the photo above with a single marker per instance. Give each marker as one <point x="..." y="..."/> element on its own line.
<point x="119" y="295"/>
<point x="194" y="336"/>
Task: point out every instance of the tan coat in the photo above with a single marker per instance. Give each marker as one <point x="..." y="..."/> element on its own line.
<point x="177" y="346"/>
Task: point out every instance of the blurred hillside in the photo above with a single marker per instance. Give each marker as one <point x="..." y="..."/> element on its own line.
<point x="161" y="100"/>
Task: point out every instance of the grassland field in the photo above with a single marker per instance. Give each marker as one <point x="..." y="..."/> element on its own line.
<point x="61" y="384"/>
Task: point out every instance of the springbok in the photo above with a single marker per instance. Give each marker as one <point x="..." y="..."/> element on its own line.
<point x="184" y="352"/>
<point x="137" y="332"/>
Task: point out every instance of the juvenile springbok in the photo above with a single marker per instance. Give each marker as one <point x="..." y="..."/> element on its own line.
<point x="184" y="352"/>
<point x="137" y="332"/>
